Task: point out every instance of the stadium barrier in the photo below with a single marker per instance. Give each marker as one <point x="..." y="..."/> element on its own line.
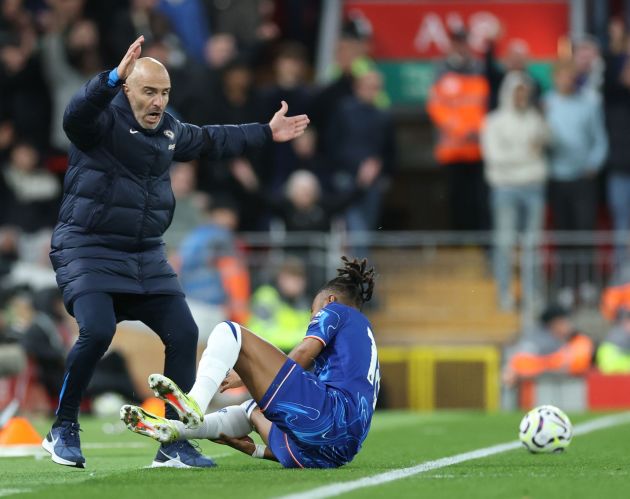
<point x="593" y="392"/>
<point x="428" y="378"/>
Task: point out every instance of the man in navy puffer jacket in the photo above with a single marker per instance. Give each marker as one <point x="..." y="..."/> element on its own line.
<point x="107" y="246"/>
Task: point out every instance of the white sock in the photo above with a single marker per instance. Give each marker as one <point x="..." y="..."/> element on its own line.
<point x="224" y="345"/>
<point x="249" y="406"/>
<point x="232" y="421"/>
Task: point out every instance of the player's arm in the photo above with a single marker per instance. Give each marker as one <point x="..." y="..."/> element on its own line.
<point x="224" y="141"/>
<point x="305" y="353"/>
<point x="247" y="446"/>
<point x="84" y="120"/>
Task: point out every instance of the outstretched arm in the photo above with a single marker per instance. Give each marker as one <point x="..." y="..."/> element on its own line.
<point x="223" y="141"/>
<point x="85" y="120"/>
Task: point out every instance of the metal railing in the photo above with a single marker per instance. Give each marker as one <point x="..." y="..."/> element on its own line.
<point x="568" y="267"/>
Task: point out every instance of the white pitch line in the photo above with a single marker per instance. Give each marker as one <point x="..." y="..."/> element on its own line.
<point x="338" y="488"/>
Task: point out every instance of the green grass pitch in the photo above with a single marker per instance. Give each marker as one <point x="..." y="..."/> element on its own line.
<point x="596" y="465"/>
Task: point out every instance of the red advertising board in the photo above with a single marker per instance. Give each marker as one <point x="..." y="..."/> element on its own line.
<point x="418" y="29"/>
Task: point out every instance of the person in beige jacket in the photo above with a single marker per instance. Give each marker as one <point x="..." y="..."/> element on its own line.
<point x="513" y="140"/>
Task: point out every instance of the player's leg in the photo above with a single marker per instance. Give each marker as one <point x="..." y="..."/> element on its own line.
<point x="232" y="346"/>
<point x="231" y="421"/>
<point x="95" y="316"/>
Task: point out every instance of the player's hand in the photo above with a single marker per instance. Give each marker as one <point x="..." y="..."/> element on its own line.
<point x="285" y="128"/>
<point x="129" y="60"/>
<point x="232" y="380"/>
<point x="244" y="444"/>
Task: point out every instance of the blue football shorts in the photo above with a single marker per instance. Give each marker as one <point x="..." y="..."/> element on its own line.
<point x="310" y="420"/>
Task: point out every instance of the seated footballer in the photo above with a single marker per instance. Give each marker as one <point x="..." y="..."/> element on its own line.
<point x="312" y="408"/>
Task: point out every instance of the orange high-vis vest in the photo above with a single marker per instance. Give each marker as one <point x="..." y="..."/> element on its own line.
<point x="235" y="279"/>
<point x="613" y="299"/>
<point x="573" y="358"/>
<point x="457" y="105"/>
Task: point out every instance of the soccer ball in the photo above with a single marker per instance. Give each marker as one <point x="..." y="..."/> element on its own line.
<point x="545" y="429"/>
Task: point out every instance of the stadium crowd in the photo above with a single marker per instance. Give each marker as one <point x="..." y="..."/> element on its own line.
<point x="509" y="146"/>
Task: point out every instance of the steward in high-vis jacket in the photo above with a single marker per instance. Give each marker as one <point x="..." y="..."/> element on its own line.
<point x="107" y="247"/>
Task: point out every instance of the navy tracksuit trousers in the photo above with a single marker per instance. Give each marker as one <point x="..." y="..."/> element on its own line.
<point x="97" y="314"/>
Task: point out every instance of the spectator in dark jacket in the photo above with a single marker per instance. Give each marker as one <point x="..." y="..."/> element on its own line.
<point x="290" y="71"/>
<point x="29" y="194"/>
<point x="107" y="247"/>
<point x="361" y="134"/>
<point x="516" y="58"/>
<point x="303" y="208"/>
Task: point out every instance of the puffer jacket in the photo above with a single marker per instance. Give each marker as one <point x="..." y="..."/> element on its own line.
<point x="117" y="198"/>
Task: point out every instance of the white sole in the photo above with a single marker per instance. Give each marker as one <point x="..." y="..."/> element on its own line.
<point x="48" y="447"/>
<point x="169" y="464"/>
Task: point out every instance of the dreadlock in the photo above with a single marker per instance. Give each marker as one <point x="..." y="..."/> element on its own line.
<point x="354" y="281"/>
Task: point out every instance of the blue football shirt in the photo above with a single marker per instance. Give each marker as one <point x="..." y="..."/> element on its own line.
<point x="349" y="360"/>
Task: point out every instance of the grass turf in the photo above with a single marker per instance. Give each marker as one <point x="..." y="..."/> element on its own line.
<point x="596" y="465"/>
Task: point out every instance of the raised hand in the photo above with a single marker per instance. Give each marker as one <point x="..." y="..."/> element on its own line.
<point x="284" y="128"/>
<point x="129" y="60"/>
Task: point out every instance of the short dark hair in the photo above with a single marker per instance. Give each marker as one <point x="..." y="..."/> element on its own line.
<point x="552" y="313"/>
<point x="354" y="282"/>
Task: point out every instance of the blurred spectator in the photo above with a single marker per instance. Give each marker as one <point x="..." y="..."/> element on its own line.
<point x="613" y="354"/>
<point x="250" y="22"/>
<point x="578" y="149"/>
<point x="29" y="195"/>
<point x="213" y="270"/>
<point x="351" y="61"/>
<point x="71" y="54"/>
<point x="24" y="103"/>
<point x="12" y="356"/>
<point x="617" y="112"/>
<point x="360" y="137"/>
<point x="238" y="102"/>
<point x="516" y="59"/>
<point x="589" y="65"/>
<point x="290" y="67"/>
<point x="219" y="50"/>
<point x="616" y="296"/>
<point x="140" y="18"/>
<point x="557" y="348"/>
<point x="456" y="105"/>
<point x="190" y="21"/>
<point x="303" y="208"/>
<point x="189" y="205"/>
<point x="281" y="311"/>
<point x="513" y="142"/>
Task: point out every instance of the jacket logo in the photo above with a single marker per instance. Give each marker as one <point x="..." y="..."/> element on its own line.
<point x="169" y="134"/>
<point x="171" y="147"/>
<point x="132" y="131"/>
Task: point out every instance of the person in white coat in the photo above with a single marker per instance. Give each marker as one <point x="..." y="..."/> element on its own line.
<point x="513" y="140"/>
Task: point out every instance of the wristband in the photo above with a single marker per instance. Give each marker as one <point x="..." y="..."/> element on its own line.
<point x="259" y="452"/>
<point x="113" y="78"/>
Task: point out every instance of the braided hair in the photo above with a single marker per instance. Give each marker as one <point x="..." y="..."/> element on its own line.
<point x="354" y="282"/>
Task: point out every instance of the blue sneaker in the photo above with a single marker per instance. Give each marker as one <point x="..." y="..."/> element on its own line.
<point x="64" y="445"/>
<point x="181" y="455"/>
